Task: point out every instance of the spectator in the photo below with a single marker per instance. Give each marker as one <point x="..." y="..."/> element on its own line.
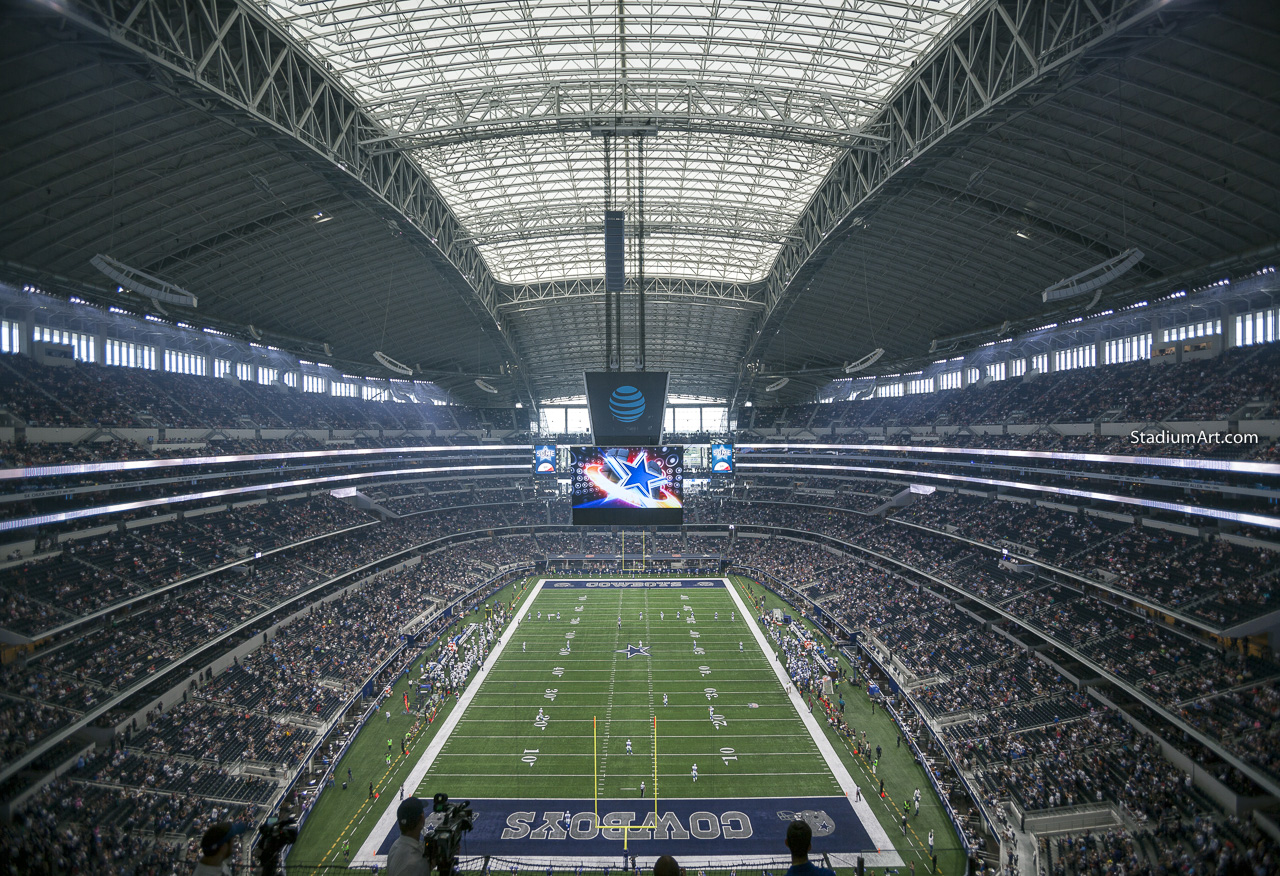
<point x="799" y="840"/>
<point x="666" y="866"/>
<point x="406" y="855"/>
<point x="216" y="846"/>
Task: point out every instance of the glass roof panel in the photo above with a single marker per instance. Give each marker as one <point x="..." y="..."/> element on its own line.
<point x="745" y="105"/>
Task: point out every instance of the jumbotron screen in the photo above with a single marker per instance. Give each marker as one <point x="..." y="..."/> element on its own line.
<point x="627" y="486"/>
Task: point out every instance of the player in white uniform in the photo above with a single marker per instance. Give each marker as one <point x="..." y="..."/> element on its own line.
<point x="664" y="699"/>
<point x="739" y="646"/>
<point x="694" y="771"/>
<point x="628" y="746"/>
<point x="662" y="615"/>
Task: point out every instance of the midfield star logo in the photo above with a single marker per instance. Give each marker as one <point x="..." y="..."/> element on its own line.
<point x="634" y="650"/>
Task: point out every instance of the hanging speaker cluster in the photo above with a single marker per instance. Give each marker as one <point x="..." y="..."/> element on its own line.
<point x="865" y="362"/>
<point x="1094" y="278"/>
<point x="387" y="362"/>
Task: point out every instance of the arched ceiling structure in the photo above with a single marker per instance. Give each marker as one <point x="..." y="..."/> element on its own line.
<point x="819" y="179"/>
<point x="747" y="105"/>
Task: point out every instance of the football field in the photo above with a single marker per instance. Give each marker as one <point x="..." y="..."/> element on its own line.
<point x="638" y="717"/>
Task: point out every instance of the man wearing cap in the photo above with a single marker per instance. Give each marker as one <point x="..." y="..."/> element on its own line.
<point x="215" y="849"/>
<point x="799" y="839"/>
<point x="405" y="857"/>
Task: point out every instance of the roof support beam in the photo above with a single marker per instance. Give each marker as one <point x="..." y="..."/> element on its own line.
<point x="523" y="109"/>
<point x="228" y="53"/>
<point x="1004" y="58"/>
<point x="724" y="293"/>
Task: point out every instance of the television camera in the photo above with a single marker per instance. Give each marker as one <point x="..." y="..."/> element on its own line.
<point x="445" y="826"/>
<point x="273" y="836"/>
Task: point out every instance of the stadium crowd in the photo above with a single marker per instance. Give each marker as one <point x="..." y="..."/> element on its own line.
<point x="117" y="607"/>
<point x="184" y="767"/>
<point x="98" y="395"/>
<point x="1209" y="389"/>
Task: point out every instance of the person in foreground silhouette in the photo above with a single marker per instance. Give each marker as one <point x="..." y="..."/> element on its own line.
<point x="799" y="839"/>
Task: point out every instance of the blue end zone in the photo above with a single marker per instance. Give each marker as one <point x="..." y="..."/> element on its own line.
<point x="631" y="584"/>
<point x="692" y="828"/>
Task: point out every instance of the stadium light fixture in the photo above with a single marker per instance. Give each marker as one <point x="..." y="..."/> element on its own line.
<point x="777" y="384"/>
<point x="487" y="387"/>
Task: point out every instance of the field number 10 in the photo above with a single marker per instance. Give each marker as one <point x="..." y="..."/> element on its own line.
<point x="726" y="755"/>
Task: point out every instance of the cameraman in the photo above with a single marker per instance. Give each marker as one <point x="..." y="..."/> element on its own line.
<point x="406" y="855"/>
<point x="215" y="849"/>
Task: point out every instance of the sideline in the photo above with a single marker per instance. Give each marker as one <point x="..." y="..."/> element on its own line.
<point x="368" y="856"/>
<point x="885" y="855"/>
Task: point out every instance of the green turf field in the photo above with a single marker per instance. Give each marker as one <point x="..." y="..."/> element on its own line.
<point x="576" y="669"/>
<point x="501" y="748"/>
